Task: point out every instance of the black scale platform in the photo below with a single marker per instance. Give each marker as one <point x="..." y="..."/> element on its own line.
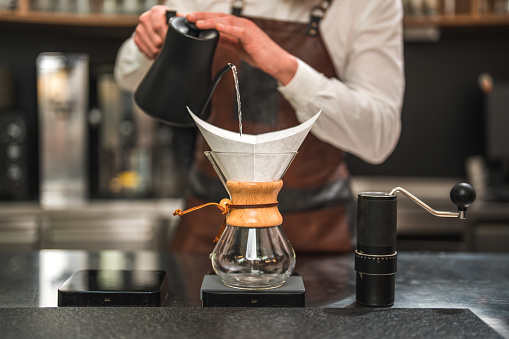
<point x="214" y="293"/>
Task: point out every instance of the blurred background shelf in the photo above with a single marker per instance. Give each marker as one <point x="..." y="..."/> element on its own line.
<point x="463" y="20"/>
<point x="98" y="13"/>
<point x="112" y="13"/>
<point x="70" y="19"/>
<point x="456" y="13"/>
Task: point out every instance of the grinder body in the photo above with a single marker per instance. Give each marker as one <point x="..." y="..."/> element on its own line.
<point x="376" y="256"/>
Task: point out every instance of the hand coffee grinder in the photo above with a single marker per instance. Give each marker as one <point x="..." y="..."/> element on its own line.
<point x="376" y="256"/>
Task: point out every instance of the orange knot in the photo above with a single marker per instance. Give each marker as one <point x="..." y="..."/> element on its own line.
<point x="224" y="206"/>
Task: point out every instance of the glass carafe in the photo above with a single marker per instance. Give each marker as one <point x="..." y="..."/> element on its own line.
<point x="253" y="251"/>
<point x="253" y="258"/>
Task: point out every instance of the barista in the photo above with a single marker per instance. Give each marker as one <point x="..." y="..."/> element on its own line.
<point x="294" y="58"/>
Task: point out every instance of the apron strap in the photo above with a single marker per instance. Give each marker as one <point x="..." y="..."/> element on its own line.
<point x="237" y="7"/>
<point x="317" y="13"/>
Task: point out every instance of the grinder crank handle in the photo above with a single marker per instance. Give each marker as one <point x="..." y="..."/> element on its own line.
<point x="462" y="195"/>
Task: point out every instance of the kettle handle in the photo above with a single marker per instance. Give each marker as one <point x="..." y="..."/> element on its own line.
<point x="169" y="15"/>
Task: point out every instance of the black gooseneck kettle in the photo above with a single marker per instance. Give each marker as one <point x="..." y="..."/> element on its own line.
<point x="181" y="74"/>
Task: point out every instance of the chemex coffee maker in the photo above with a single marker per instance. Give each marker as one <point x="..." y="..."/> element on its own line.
<point x="376" y="256"/>
<point x="253" y="259"/>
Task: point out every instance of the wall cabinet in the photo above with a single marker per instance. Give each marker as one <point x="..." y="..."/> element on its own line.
<point x="456" y="13"/>
<point x="442" y="13"/>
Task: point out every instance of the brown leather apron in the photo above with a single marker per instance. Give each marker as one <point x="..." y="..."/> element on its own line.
<point x="316" y="198"/>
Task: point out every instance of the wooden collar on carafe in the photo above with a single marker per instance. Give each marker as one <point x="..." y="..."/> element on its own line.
<point x="253" y="205"/>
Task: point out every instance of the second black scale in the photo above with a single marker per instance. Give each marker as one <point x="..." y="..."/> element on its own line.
<point x="214" y="293"/>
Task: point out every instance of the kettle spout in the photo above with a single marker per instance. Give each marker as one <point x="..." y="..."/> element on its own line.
<point x="213" y="85"/>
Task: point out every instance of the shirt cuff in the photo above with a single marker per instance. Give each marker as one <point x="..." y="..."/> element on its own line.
<point x="301" y="90"/>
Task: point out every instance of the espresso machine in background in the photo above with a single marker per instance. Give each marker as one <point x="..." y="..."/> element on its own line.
<point x="136" y="156"/>
<point x="95" y="143"/>
<point x="124" y="143"/>
<point x="18" y="171"/>
<point x="62" y="96"/>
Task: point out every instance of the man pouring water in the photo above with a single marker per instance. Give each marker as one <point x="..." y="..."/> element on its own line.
<point x="294" y="57"/>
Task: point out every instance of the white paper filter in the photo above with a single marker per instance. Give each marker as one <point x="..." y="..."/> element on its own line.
<point x="257" y="158"/>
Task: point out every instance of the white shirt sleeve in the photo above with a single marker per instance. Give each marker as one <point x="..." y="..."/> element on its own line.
<point x="130" y="66"/>
<point x="360" y="112"/>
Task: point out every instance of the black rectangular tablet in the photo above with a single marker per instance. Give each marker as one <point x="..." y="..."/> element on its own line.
<point x="114" y="288"/>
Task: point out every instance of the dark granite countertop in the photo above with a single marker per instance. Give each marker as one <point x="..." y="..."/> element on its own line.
<point x="452" y="295"/>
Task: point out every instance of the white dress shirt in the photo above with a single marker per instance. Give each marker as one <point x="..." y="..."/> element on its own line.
<point x="361" y="112"/>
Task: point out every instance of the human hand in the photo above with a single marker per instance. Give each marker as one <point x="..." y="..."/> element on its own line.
<point x="151" y="31"/>
<point x="253" y="45"/>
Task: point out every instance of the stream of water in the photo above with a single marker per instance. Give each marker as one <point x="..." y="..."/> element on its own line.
<point x="239" y="110"/>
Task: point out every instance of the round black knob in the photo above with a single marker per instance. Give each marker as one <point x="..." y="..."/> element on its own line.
<point x="462" y="195"/>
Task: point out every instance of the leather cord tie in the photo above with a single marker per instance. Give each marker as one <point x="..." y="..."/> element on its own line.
<point x="225" y="206"/>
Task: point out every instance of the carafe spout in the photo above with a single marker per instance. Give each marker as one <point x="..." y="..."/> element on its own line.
<point x="218" y="170"/>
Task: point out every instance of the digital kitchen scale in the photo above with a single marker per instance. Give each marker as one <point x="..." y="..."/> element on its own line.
<point x="114" y="288"/>
<point x="214" y="293"/>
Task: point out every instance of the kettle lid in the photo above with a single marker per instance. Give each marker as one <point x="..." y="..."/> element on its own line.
<point x="189" y="29"/>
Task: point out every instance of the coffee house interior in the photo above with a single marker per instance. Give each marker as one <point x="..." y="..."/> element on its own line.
<point x="132" y="169"/>
<point x="125" y="172"/>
